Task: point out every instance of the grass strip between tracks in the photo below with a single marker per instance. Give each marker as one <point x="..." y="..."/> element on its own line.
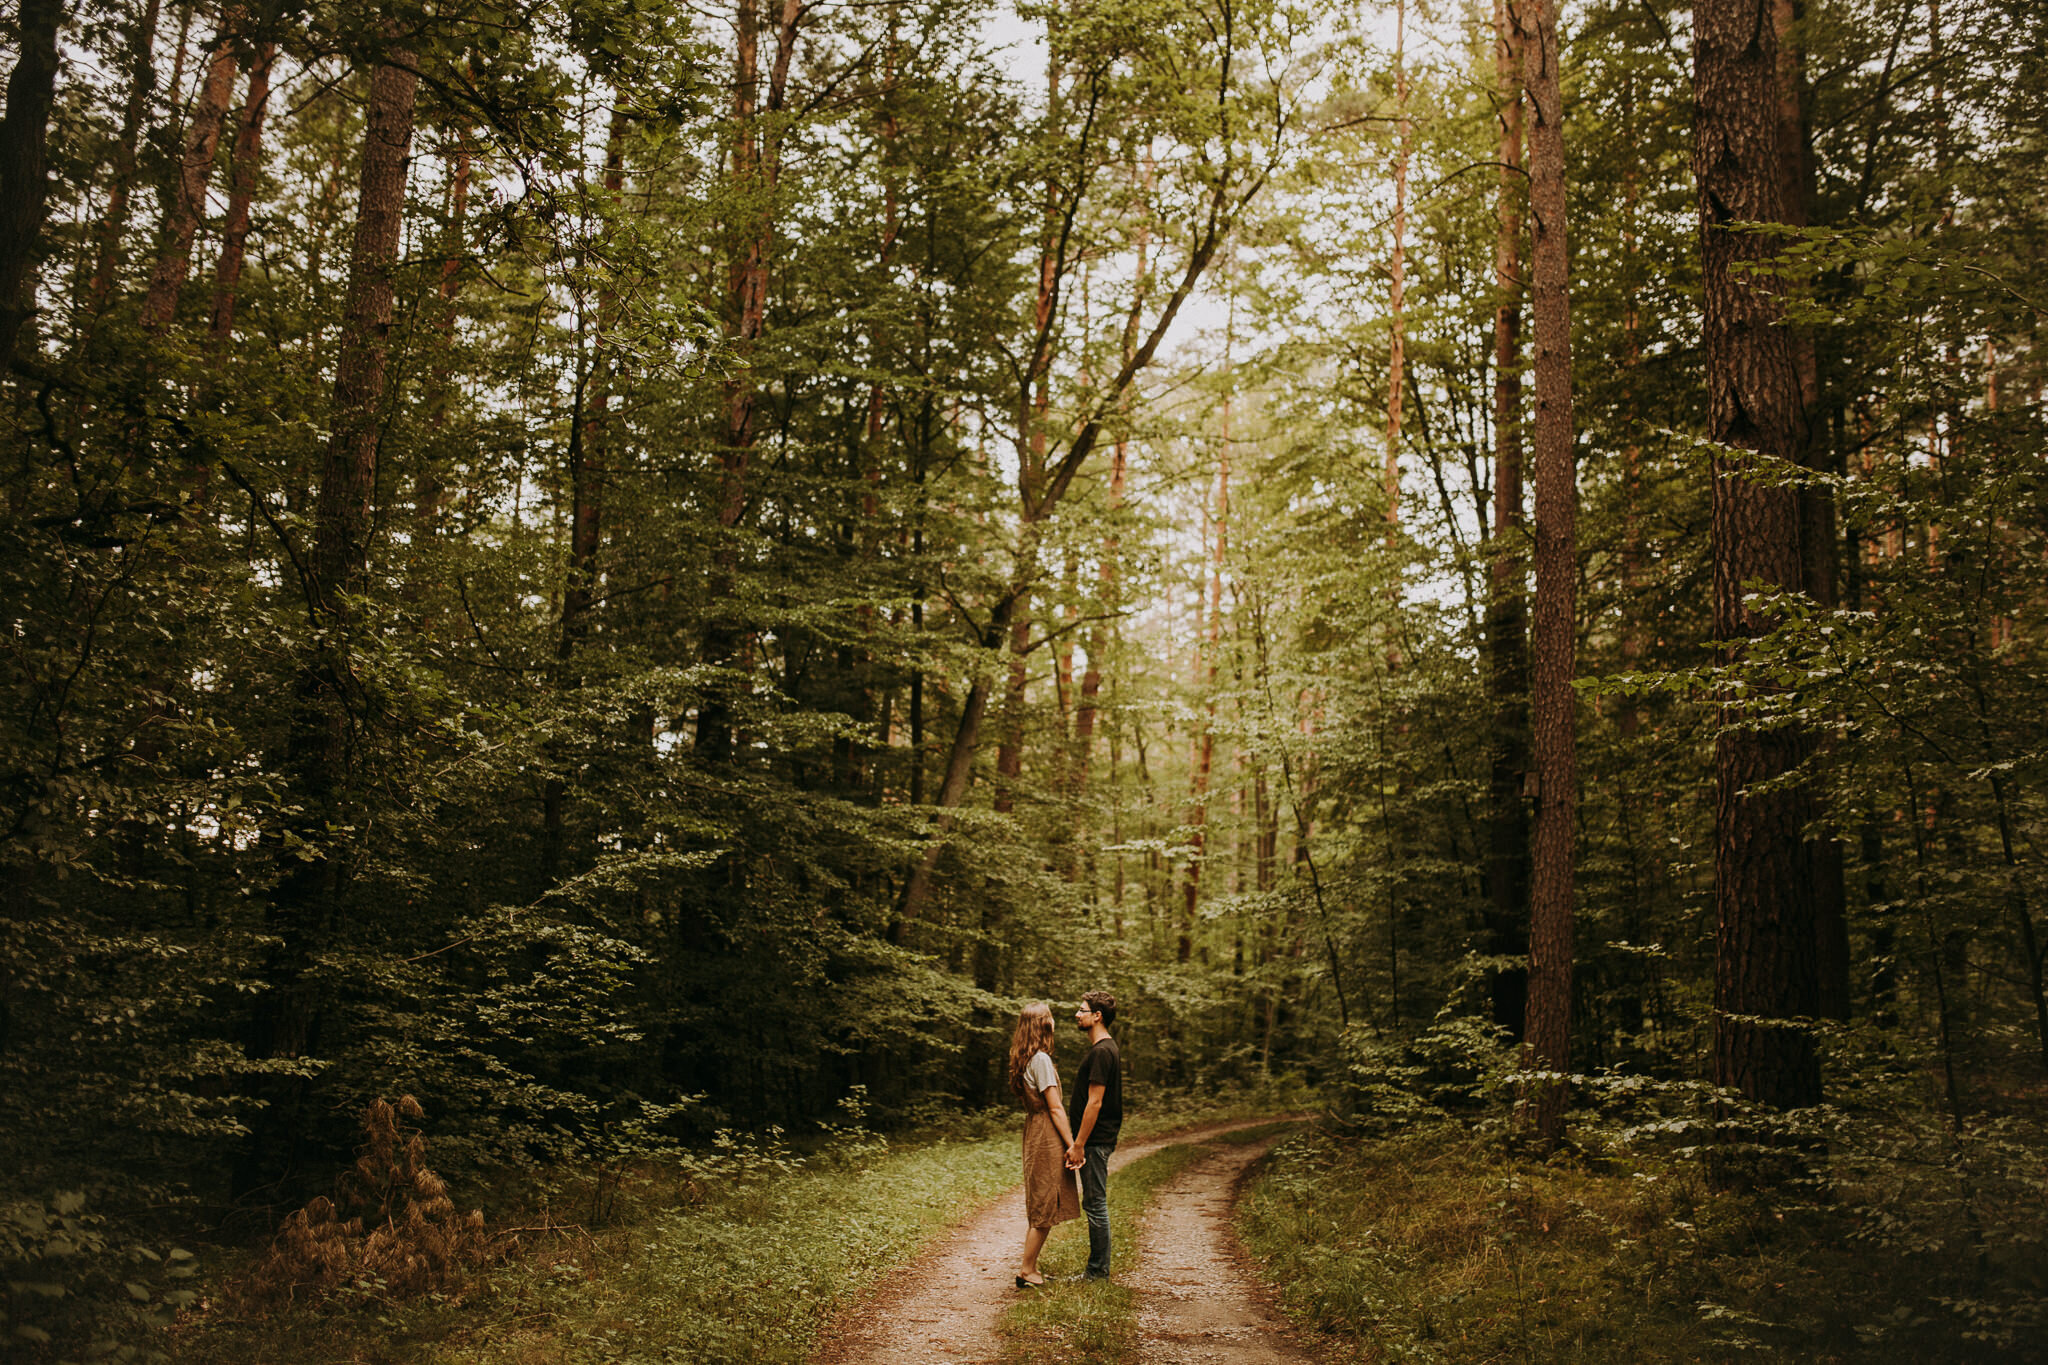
<point x="1080" y="1322"/>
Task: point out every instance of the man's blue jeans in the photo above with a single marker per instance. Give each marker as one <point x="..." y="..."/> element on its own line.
<point x="1095" y="1204"/>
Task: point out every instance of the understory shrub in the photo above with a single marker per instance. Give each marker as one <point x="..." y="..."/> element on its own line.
<point x="404" y="1236"/>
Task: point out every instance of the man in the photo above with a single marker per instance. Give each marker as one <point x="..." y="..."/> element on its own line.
<point x="1100" y="1085"/>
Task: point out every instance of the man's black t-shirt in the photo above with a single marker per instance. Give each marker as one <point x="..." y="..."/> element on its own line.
<point x="1103" y="1066"/>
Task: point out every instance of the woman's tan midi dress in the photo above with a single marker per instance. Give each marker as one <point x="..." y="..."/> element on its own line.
<point x="1049" y="1193"/>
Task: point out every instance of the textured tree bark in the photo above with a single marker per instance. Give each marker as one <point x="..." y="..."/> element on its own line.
<point x="114" y="221"/>
<point x="187" y="208"/>
<point x="348" y="478"/>
<point x="1507" y="649"/>
<point x="24" y="164"/>
<point x="248" y="163"/>
<point x="1551" y="702"/>
<point x="1765" y="971"/>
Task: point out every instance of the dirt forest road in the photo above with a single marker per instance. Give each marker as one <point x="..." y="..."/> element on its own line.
<point x="1199" y="1304"/>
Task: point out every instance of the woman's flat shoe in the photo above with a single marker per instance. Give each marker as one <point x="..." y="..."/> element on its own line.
<point x="1023" y="1283"/>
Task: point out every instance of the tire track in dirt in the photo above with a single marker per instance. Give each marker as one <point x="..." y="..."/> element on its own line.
<point x="1199" y="1306"/>
<point x="943" y="1308"/>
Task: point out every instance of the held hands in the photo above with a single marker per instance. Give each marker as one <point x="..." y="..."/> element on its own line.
<point x="1074" y="1157"/>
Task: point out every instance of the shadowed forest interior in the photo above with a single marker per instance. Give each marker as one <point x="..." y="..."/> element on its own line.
<point x="643" y="574"/>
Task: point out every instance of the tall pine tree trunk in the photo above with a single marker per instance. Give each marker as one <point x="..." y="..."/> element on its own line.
<point x="1507" y="650"/>
<point x="1551" y="702"/>
<point x="24" y="163"/>
<point x="1765" y="970"/>
<point x="307" y="903"/>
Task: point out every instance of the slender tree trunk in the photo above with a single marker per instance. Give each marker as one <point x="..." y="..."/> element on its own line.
<point x="113" y="223"/>
<point x="1390" y="475"/>
<point x="429" y="490"/>
<point x="195" y="172"/>
<point x="349" y="473"/>
<point x="589" y="468"/>
<point x="1507" y="654"/>
<point x="873" y="445"/>
<point x="1010" y="747"/>
<point x="959" y="773"/>
<point x="1817" y="529"/>
<point x="307" y="902"/>
<point x="1039" y="501"/>
<point x="1629" y="718"/>
<point x="917" y="683"/>
<point x="1765" y="975"/>
<point x="757" y="165"/>
<point x="1208" y="649"/>
<point x="24" y="170"/>
<point x="1551" y="703"/>
<point x="1107" y="591"/>
<point x="1109" y="588"/>
<point x="339" y="564"/>
<point x="1032" y="442"/>
<point x="248" y="164"/>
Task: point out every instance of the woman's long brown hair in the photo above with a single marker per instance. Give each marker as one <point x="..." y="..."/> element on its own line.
<point x="1033" y="1035"/>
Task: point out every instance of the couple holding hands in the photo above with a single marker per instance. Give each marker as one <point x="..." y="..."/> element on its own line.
<point x="1066" y="1166"/>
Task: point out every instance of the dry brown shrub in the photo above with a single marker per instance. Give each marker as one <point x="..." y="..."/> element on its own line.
<point x="403" y="1237"/>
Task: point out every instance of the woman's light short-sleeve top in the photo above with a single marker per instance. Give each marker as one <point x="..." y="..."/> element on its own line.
<point x="1039" y="1073"/>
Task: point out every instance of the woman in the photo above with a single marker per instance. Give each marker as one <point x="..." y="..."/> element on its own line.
<point x="1049" y="1193"/>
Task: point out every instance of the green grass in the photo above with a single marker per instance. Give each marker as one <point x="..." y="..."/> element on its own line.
<point x="696" y="1270"/>
<point x="1245" y="1137"/>
<point x="748" y="1275"/>
<point x="1438" y="1246"/>
<point x="1091" y="1322"/>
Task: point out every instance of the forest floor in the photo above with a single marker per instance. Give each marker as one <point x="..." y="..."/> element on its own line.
<point x="1241" y="1240"/>
<point x="955" y="1305"/>
<point x="1440" y="1245"/>
<point x="750" y="1269"/>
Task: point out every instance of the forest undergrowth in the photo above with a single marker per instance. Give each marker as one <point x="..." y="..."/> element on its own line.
<point x="739" y="1252"/>
<point x="1413" y="1231"/>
